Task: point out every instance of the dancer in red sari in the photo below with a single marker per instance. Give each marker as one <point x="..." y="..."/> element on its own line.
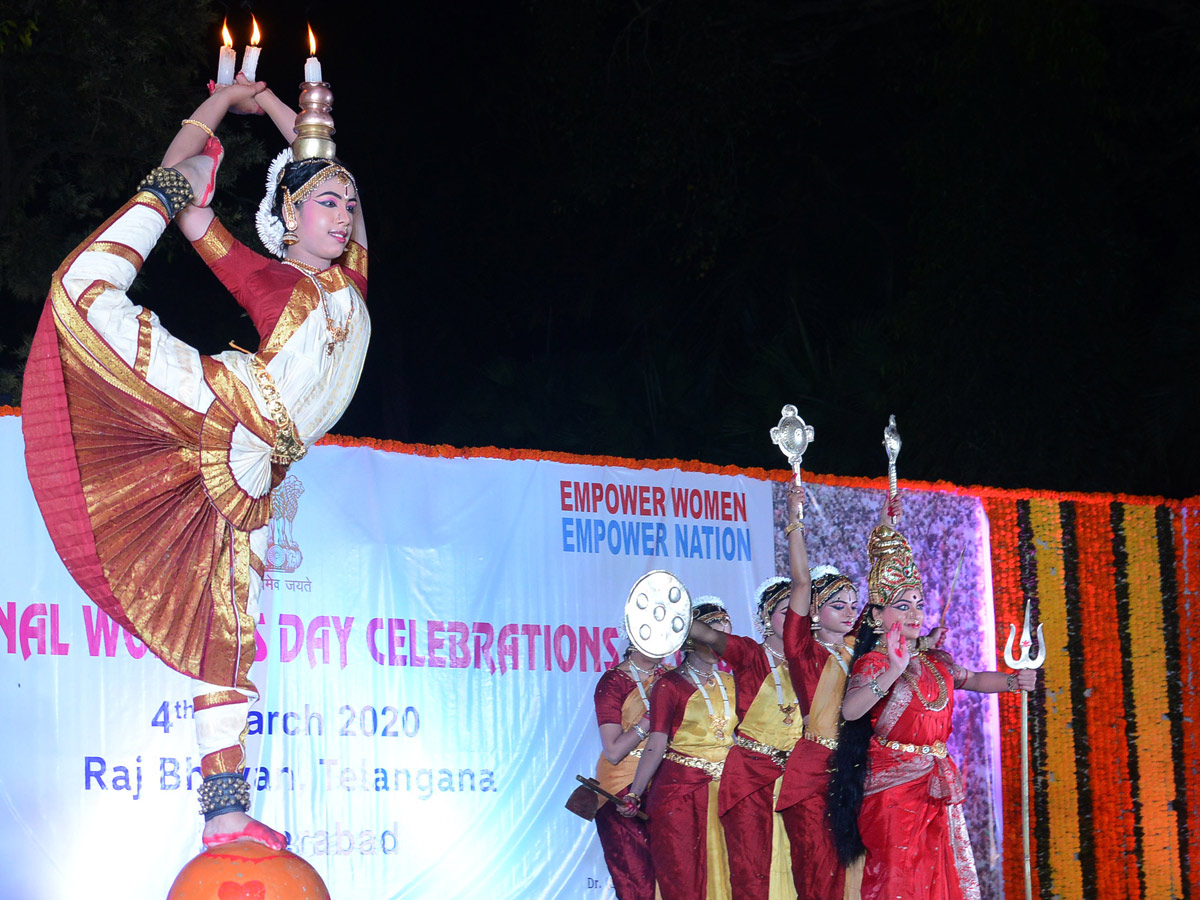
<point x="622" y="701"/>
<point x="819" y="648"/>
<point x="895" y="794"/>
<point x="693" y="715"/>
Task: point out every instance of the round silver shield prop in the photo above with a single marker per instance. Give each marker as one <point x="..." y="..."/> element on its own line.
<point x="658" y="614"/>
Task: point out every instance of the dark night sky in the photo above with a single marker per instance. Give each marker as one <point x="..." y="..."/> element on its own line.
<point x="599" y="232"/>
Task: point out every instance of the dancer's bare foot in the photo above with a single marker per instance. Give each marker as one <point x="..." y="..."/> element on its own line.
<point x="237" y="826"/>
<point x="201" y="171"/>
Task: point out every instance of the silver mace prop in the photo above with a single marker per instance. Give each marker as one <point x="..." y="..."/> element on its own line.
<point x="792" y="436"/>
<point x="891" y="444"/>
<point x="1025" y="661"/>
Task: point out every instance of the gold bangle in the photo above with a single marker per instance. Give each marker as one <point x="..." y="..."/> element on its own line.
<point x="795" y="526"/>
<point x="199" y="125"/>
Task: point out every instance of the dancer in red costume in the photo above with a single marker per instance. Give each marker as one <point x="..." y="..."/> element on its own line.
<point x="818" y="644"/>
<point x="692" y="720"/>
<point x="769" y="725"/>
<point x="153" y="465"/>
<point x="895" y="795"/>
<point x="623" y="713"/>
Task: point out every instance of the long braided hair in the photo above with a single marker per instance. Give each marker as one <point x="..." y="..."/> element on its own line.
<point x="850" y="760"/>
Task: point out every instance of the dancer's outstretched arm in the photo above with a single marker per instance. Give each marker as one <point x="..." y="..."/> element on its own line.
<point x="193" y="145"/>
<point x="999" y="682"/>
<point x="801" y="594"/>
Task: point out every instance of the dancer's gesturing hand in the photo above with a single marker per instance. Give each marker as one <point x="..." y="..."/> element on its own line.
<point x="898" y="652"/>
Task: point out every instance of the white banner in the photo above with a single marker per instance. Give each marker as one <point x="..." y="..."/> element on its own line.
<point x="430" y="638"/>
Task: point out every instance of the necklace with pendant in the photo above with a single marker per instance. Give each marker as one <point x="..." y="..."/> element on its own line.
<point x="720" y="722"/>
<point x="337" y="333"/>
<point x="773" y="660"/>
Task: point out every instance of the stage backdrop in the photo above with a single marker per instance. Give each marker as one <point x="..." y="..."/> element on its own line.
<point x="435" y="623"/>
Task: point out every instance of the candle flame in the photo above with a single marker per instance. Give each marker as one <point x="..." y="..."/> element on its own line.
<point x="255" y="37"/>
<point x="312" y="42"/>
<point x="226" y="37"/>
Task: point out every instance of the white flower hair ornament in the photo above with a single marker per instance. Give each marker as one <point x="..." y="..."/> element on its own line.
<point x="270" y="226"/>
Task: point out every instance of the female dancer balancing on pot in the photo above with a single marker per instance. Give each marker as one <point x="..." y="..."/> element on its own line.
<point x="817" y="641"/>
<point x="693" y="715"/>
<point x="895" y="795"/>
<point x="153" y="465"/>
<point x="622" y="701"/>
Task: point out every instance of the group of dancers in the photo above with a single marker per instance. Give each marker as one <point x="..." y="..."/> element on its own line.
<point x="818" y="769"/>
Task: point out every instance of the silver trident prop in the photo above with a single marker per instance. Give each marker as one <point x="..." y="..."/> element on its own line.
<point x="1025" y="661"/>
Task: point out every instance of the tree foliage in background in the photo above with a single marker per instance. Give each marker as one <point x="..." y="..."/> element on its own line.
<point x="640" y="228"/>
<point x="91" y="94"/>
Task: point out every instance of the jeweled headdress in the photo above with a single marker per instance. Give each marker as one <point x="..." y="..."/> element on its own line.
<point x="892" y="567"/>
<point x="827" y="581"/>
<point x="767" y="597"/>
<point x="709" y="609"/>
<point x="706" y="609"/>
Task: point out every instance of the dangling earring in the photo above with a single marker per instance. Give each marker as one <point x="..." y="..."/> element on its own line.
<point x="877" y="626"/>
<point x="814" y="624"/>
<point x="289" y="219"/>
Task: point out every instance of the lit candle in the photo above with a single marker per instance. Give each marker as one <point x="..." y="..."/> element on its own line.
<point x="225" y="65"/>
<point x="250" y="56"/>
<point x="312" y="65"/>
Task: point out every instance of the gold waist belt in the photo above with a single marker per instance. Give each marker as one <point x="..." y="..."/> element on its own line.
<point x="831" y="743"/>
<point x="937" y="748"/>
<point x="288" y="446"/>
<point x="713" y="769"/>
<point x="779" y="757"/>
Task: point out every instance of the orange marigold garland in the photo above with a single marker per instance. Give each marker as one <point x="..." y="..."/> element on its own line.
<point x="1056" y="732"/>
<point x="1185" y="523"/>
<point x="1108" y="765"/>
<point x="1077" y="662"/>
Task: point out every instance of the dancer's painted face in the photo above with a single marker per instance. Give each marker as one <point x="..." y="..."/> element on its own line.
<point x="326" y="222"/>
<point x="837" y="615"/>
<point x="907" y="608"/>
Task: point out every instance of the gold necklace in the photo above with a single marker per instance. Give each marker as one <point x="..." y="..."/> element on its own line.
<point x="337" y="333"/>
<point x="306" y="268"/>
<point x="721" y="722"/>
<point x="943" y="695"/>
